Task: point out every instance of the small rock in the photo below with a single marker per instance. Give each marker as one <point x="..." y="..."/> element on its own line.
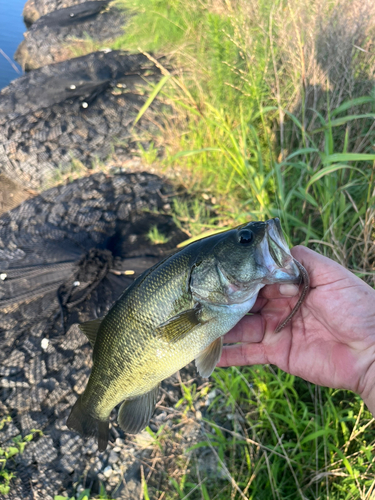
<point x="108" y="471"/>
<point x="113" y="457"/>
<point x="212" y="394"/>
<point x="44" y="344"/>
<point x="161" y="417"/>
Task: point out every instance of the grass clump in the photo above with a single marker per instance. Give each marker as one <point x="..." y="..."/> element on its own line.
<point x="270" y="111"/>
<point x="8" y="454"/>
<point x="156" y="237"/>
<point x="294" y="439"/>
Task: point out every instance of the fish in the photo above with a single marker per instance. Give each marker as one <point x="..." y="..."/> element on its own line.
<point x="176" y="312"/>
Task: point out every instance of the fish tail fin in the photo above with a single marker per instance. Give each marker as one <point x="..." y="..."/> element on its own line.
<point x="82" y="422"/>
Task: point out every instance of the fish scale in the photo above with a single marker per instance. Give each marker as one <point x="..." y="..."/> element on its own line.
<point x="130" y="313"/>
<point x="175" y="312"/>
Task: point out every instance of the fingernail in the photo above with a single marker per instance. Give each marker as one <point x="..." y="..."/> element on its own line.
<point x="288" y="290"/>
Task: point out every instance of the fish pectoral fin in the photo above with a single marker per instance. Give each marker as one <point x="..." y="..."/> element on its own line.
<point x="90" y="329"/>
<point x="135" y="414"/>
<point x="208" y="359"/>
<point x="180" y="325"/>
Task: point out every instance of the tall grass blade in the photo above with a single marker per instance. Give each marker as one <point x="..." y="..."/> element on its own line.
<point x="330" y="169"/>
<point x="151" y="97"/>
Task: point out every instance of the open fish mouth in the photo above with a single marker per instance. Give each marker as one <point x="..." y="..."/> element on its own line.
<point x="292" y="270"/>
<point x="274" y="256"/>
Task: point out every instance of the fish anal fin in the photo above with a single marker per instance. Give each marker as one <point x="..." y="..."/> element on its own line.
<point x="179" y="326"/>
<point x="90" y="329"/>
<point x="134" y="414"/>
<point x="208" y="359"/>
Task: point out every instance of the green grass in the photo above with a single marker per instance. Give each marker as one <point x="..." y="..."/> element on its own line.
<point x="226" y="131"/>
<point x="269" y="435"/>
<point x="271" y="113"/>
<point x="293" y="438"/>
<point x="156" y="237"/>
<point x="8" y="454"/>
<point x="85" y="494"/>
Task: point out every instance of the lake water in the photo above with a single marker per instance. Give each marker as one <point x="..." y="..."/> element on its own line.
<point x="11" y="35"/>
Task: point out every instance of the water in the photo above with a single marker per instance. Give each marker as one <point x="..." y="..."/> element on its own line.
<point x="11" y="35"/>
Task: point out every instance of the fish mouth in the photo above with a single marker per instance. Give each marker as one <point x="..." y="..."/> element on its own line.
<point x="276" y="256"/>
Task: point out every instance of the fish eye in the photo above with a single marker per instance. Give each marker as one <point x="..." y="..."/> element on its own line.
<point x="245" y="236"/>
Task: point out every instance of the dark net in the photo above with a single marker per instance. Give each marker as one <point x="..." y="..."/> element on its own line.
<point x="65" y="256"/>
<point x="71" y="114"/>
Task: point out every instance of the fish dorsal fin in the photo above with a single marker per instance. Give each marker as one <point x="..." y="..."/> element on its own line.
<point x="208" y="359"/>
<point x="90" y="329"/>
<point x="180" y="325"/>
<point x="135" y="413"/>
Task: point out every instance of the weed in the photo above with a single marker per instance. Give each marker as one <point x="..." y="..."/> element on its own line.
<point x="156" y="237"/>
<point x="188" y="396"/>
<point x="8" y="453"/>
<point x="77" y="47"/>
<point x="86" y="495"/>
<point x="149" y="155"/>
<point x="192" y="216"/>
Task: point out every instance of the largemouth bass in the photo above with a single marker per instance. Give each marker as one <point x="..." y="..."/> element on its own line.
<point x="177" y="311"/>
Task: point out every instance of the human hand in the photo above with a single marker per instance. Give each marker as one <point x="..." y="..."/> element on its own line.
<point x="330" y="341"/>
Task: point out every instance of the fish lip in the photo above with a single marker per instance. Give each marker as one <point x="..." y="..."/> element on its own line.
<point x="289" y="273"/>
<point x="281" y="267"/>
<point x="274" y="231"/>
